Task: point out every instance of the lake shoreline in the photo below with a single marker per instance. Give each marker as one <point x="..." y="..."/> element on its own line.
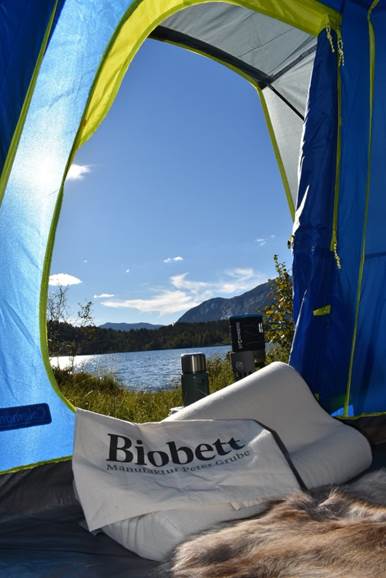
<point x="106" y="395"/>
<point x="198" y="347"/>
<point x="150" y="370"/>
<point x="65" y="339"/>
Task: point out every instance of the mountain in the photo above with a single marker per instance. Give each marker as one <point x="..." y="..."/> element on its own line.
<point x="129" y="326"/>
<point x="253" y="301"/>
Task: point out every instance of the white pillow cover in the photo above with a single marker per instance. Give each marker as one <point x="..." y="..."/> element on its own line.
<point x="323" y="450"/>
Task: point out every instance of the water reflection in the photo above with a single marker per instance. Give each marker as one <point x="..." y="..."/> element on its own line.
<point x="143" y="370"/>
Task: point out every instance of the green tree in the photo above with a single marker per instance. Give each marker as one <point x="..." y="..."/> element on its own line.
<point x="87" y="325"/>
<point x="57" y="314"/>
<point x="279" y="325"/>
<point x="63" y="337"/>
<point x="85" y="316"/>
<point x="57" y="304"/>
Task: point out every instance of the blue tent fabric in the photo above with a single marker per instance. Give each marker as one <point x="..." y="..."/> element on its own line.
<point x="335" y="4"/>
<point x="368" y="387"/>
<point x="344" y="359"/>
<point x="353" y="182"/>
<point x="31" y="204"/>
<point x="340" y="338"/>
<point x="340" y="5"/>
<point x="28" y="207"/>
<point x="352" y="222"/>
<point x="314" y="265"/>
<point x="22" y="27"/>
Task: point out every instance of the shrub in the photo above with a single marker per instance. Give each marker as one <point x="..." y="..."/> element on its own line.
<point x="279" y="326"/>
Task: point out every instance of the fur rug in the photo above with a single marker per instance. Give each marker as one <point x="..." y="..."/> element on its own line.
<point x="327" y="533"/>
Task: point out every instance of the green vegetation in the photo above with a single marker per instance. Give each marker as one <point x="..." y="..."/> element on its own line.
<point x="106" y="395"/>
<point x="278" y="323"/>
<point x="67" y="339"/>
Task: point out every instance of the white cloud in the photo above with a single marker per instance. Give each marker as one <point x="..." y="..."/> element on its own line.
<point x="127" y="271"/>
<point x="261" y="241"/>
<point x="164" y="303"/>
<point x="241" y="272"/>
<point x="173" y="259"/>
<point x="186" y="293"/>
<point x="103" y="295"/>
<point x="234" y="280"/>
<point x="63" y="279"/>
<point x="181" y="282"/>
<point x="241" y="279"/>
<point x="77" y="172"/>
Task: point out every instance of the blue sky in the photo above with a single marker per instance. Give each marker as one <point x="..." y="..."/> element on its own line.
<point x="177" y="197"/>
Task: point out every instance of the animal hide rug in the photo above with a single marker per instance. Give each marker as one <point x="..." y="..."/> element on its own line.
<point x="328" y="533"/>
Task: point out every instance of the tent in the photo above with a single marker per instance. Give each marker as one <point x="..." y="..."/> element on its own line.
<point x="319" y="71"/>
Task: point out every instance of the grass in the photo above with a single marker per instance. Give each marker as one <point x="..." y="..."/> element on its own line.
<point x="106" y="394"/>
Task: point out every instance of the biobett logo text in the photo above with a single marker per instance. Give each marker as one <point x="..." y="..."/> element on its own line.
<point x="124" y="450"/>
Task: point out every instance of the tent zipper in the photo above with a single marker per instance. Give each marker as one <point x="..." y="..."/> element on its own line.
<point x="340" y="48"/>
<point x="339" y="43"/>
<point x="330" y="38"/>
<point x="334" y="231"/>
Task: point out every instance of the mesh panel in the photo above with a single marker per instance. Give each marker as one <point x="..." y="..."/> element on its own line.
<point x="280" y="57"/>
<point x="288" y="128"/>
<point x="260" y="41"/>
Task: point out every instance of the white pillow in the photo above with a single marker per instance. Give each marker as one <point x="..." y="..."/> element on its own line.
<point x="149" y="486"/>
<point x="155" y="535"/>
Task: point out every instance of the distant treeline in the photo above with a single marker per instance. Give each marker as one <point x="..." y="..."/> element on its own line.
<point x="66" y="339"/>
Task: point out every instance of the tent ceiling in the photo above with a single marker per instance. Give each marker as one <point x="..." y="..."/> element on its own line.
<point x="276" y="55"/>
<point x="263" y="47"/>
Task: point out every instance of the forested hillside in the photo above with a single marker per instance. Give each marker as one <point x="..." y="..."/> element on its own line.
<point x="66" y="339"/>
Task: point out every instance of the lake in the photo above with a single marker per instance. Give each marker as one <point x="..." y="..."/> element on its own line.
<point x="142" y="370"/>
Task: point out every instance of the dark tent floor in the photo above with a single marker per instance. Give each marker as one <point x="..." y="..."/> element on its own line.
<point x="41" y="534"/>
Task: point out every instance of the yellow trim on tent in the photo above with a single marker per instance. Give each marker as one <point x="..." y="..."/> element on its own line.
<point x="143" y="18"/>
<point x="321" y="311"/>
<point x="35" y="465"/>
<point x="361" y="415"/>
<point x="44" y="296"/>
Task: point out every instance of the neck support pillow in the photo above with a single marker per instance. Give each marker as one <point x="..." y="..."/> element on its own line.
<point x="321" y="449"/>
